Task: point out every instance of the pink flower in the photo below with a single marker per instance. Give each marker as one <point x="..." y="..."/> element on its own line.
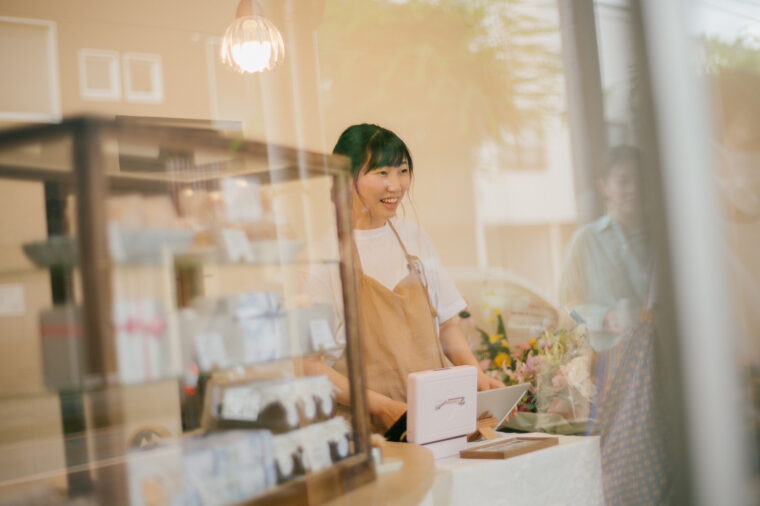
<point x="520" y="372"/>
<point x="525" y="346"/>
<point x="533" y="363"/>
<point x="484" y="365"/>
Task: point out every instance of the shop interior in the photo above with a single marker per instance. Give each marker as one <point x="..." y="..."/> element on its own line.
<point x="181" y="272"/>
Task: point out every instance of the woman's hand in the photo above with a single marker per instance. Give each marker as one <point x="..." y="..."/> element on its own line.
<point x="511" y="414"/>
<point x="389" y="411"/>
<point x="486" y="382"/>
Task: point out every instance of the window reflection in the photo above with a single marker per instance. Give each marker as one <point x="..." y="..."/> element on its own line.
<point x="736" y="103"/>
<point x="729" y="44"/>
<point x="607" y="271"/>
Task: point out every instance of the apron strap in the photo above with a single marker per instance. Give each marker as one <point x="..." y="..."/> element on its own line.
<point x="423" y="283"/>
<point x="411" y="262"/>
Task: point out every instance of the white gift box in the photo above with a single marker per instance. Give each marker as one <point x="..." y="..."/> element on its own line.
<point x="142" y="345"/>
<point x="442" y="408"/>
<point x="242" y="328"/>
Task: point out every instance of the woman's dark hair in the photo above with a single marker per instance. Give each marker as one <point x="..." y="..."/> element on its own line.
<point x="371" y="146"/>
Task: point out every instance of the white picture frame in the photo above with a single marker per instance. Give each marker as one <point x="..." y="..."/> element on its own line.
<point x="90" y="57"/>
<point x="44" y="62"/>
<point x="155" y="93"/>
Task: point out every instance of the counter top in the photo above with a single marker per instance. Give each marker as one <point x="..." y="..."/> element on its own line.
<point x="408" y="485"/>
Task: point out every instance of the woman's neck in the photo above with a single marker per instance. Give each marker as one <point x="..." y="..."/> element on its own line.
<point x="365" y="222"/>
<point x="364" y="219"/>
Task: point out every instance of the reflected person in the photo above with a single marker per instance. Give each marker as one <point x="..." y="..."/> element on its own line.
<point x="605" y="276"/>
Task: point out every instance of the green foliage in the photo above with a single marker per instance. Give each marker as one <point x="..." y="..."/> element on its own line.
<point x="481" y="69"/>
<point x="742" y="53"/>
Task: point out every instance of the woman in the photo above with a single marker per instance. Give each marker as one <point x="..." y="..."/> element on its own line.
<point x="409" y="306"/>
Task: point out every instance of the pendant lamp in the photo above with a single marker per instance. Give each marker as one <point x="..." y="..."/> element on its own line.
<point x="252" y="43"/>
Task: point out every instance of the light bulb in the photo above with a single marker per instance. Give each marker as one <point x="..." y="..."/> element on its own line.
<point x="252" y="44"/>
<point x="252" y="56"/>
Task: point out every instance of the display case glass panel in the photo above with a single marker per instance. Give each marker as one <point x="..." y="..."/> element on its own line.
<point x="163" y="339"/>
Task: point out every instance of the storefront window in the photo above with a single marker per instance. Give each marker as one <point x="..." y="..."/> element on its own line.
<point x="548" y="161"/>
<point x="726" y="36"/>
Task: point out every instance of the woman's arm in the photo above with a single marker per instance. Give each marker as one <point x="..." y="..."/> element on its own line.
<point x="456" y="348"/>
<point x="381" y="406"/>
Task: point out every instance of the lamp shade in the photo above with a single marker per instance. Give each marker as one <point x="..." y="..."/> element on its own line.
<point x="252" y="43"/>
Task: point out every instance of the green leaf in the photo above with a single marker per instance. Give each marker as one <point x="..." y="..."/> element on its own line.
<point x="500" y="327"/>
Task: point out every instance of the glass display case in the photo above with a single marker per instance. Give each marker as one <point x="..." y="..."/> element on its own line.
<point x="159" y="340"/>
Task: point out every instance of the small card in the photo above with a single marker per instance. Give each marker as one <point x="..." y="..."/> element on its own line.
<point x="211" y="350"/>
<point x="237" y="245"/>
<point x="321" y="335"/>
<point x="261" y="338"/>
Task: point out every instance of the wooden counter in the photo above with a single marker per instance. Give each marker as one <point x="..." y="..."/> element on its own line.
<point x="407" y="486"/>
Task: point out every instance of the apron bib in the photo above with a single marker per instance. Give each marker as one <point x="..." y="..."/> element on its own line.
<point x="397" y="329"/>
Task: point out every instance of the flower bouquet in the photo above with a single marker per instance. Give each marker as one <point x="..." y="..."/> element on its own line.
<point x="565" y="385"/>
<point x="558" y="367"/>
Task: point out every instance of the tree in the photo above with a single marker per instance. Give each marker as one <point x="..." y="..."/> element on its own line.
<point x="489" y="71"/>
<point x="743" y="53"/>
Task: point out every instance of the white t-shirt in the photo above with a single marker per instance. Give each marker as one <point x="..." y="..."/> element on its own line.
<point x="383" y="259"/>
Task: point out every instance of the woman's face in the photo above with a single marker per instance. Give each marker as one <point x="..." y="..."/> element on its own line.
<point x="378" y="193"/>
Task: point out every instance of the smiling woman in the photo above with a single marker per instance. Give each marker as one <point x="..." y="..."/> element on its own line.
<point x="382" y="169"/>
<point x="408" y="304"/>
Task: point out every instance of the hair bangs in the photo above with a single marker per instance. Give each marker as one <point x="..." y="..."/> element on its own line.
<point x="371" y="146"/>
<point x="387" y="150"/>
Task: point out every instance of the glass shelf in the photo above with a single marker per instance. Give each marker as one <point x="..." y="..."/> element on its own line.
<point x="137" y="234"/>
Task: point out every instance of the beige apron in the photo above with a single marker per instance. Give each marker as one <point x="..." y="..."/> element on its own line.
<point x="397" y="329"/>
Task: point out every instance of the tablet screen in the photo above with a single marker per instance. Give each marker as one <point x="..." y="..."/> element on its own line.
<point x="501" y="401"/>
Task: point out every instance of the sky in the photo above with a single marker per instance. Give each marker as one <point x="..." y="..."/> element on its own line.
<point x="728" y="19"/>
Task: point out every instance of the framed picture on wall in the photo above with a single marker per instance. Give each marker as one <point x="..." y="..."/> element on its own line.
<point x="29" y="79"/>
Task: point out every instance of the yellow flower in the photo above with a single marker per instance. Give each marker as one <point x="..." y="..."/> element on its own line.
<point x="532" y="342"/>
<point x="494" y="338"/>
<point x="491" y="320"/>
<point x="485" y="305"/>
<point x="496" y="311"/>
<point x="504" y="343"/>
<point x="502" y="358"/>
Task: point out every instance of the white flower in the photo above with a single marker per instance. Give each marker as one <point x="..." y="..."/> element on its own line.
<point x="577" y="373"/>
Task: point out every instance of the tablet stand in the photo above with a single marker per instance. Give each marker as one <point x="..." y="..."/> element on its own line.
<point x="486" y="430"/>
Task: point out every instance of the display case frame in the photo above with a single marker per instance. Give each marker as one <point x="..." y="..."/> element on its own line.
<point x="91" y="183"/>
